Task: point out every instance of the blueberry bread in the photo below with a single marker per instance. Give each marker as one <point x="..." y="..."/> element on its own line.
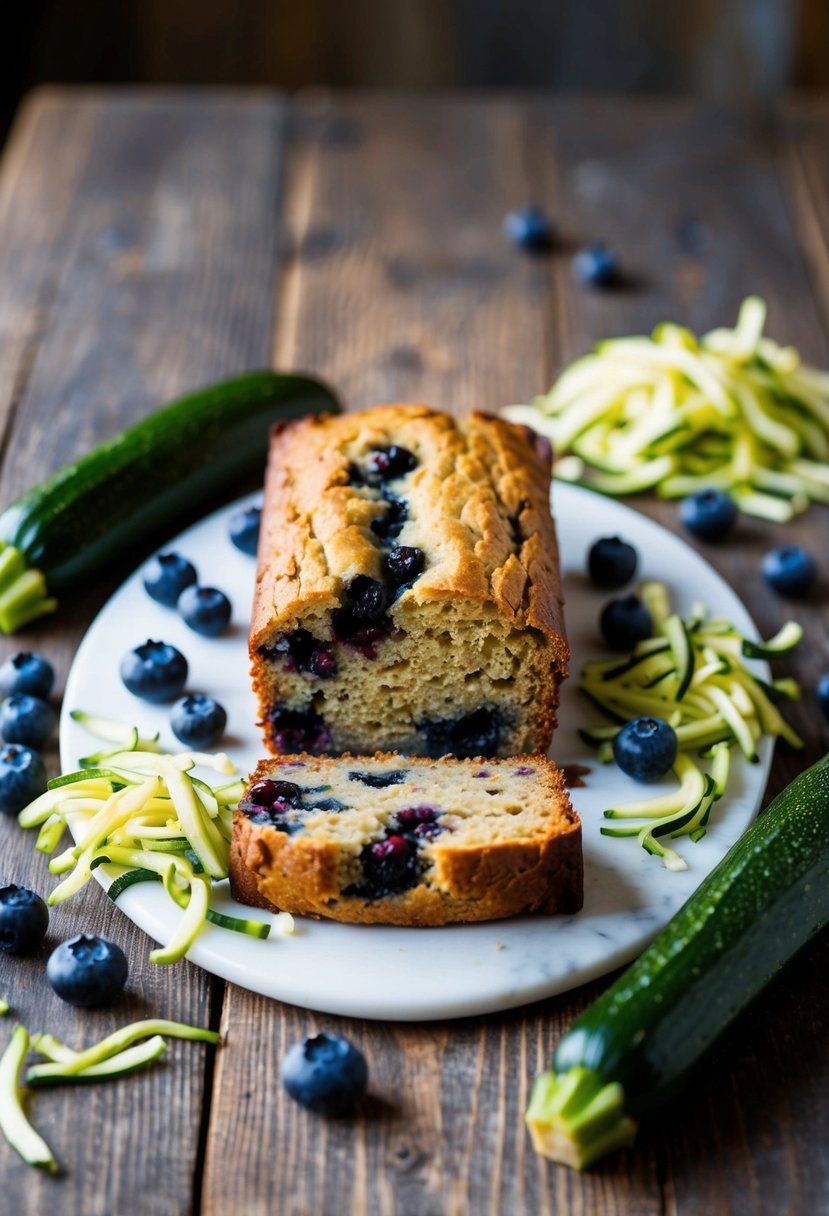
<point x="408" y="594"/>
<point x="393" y="840"/>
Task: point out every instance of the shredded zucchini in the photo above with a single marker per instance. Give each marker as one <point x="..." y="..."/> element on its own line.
<point x="691" y="674"/>
<point x="147" y="813"/>
<point x="732" y="410"/>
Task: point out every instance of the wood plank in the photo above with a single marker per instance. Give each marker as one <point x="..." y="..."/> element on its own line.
<point x="399" y="285"/>
<point x="146" y="270"/>
<point x="641" y="176"/>
<point x="693" y="198"/>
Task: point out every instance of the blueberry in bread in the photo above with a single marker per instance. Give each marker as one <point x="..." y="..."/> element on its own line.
<point x="408" y="595"/>
<point x="395" y="840"/>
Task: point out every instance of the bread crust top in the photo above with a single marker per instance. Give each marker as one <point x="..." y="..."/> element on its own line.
<point x="478" y="504"/>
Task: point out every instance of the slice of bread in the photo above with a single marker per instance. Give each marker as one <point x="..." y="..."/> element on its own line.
<point x="408" y="594"/>
<point x="389" y="839"/>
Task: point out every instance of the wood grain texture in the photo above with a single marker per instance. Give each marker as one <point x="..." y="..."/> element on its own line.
<point x="143" y="246"/>
<point x="697" y="200"/>
<point x="137" y="241"/>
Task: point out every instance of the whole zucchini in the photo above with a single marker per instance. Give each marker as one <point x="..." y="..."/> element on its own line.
<point x="630" y="1050"/>
<point x="183" y="456"/>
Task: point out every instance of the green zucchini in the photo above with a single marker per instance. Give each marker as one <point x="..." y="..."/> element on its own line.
<point x="141" y="483"/>
<point x="630" y="1050"/>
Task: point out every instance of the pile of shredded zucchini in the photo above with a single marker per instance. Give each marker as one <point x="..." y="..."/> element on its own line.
<point x="732" y="410"/>
<point x="147" y="814"/>
<point x="691" y="674"/>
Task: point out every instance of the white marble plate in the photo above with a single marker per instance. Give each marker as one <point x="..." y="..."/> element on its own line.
<point x="419" y="974"/>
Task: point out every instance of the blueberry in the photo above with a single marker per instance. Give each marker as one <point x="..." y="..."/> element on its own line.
<point x="474" y="734"/>
<point x="299" y="730"/>
<point x="166" y="577"/>
<point x="624" y="622"/>
<point x="403" y="564"/>
<point x="389" y="525"/>
<point x="26" y="720"/>
<point x="596" y="266"/>
<point x="329" y="805"/>
<point x="708" y="514"/>
<point x="24" y="919"/>
<point x="611" y="562"/>
<point x="205" y="610"/>
<point x="645" y="748"/>
<point x="326" y="1074"/>
<point x="391" y="462"/>
<point x="26" y="672"/>
<point x="305" y="653"/>
<point x="244" y="529"/>
<point x="198" y="721"/>
<point x="268" y="791"/>
<point x="379" y="781"/>
<point x="154" y="671"/>
<point x="87" y="971"/>
<point x="790" y="570"/>
<point x="410" y="816"/>
<point x="363" y="619"/>
<point x="389" y="866"/>
<point x="367" y="598"/>
<point x="529" y="227"/>
<point x="822" y="693"/>
<point x="22" y="778"/>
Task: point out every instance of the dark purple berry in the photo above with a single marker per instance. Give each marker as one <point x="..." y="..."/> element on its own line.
<point x="391" y="462"/>
<point x="790" y="570"/>
<point x="596" y="266"/>
<point x="299" y="730"/>
<point x="709" y="514"/>
<point x="404" y="564"/>
<point x="611" y="562"/>
<point x="367" y="598"/>
<point x="305" y="653"/>
<point x="27" y="720"/>
<point x="26" y="672"/>
<point x="428" y="831"/>
<point x="645" y="748"/>
<point x="379" y="781"/>
<point x="243" y="529"/>
<point x="22" y="777"/>
<point x="24" y="919"/>
<point x="530" y="228"/>
<point x="267" y="792"/>
<point x="205" y="609"/>
<point x="166" y="577"/>
<point x="323" y="663"/>
<point x="624" y="622"/>
<point x="198" y="721"/>
<point x="409" y="816"/>
<point x="475" y="734"/>
<point x="87" y="971"/>
<point x="389" y="525"/>
<point x="326" y="1074"/>
<point x="154" y="671"/>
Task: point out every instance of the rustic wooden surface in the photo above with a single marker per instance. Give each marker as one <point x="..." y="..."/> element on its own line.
<point x="151" y="242"/>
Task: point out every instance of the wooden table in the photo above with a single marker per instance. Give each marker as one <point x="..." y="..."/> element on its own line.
<point x="150" y="242"/>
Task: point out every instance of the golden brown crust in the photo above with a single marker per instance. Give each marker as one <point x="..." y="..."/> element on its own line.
<point x="479" y="502"/>
<point x="298" y="874"/>
<point x="480" y="474"/>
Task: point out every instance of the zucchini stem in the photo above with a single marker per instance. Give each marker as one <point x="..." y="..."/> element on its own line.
<point x="24" y="595"/>
<point x="575" y="1117"/>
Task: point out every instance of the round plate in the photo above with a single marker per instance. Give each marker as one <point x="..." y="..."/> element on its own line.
<point x="419" y="974"/>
